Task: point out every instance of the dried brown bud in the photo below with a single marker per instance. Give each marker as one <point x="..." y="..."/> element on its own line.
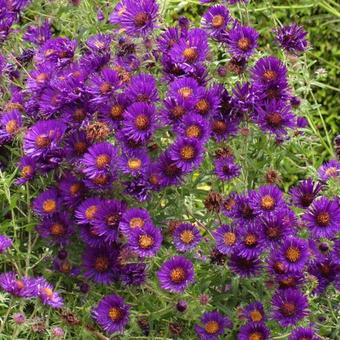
<point x="273" y="177"/>
<point x="236" y="66"/>
<point x="216" y="257"/>
<point x="144" y="325"/>
<point x="224" y="152"/>
<point x="213" y="202"/>
<point x="97" y="131"/>
<point x="172" y="225"/>
<point x="70" y="318"/>
<point x="175" y="329"/>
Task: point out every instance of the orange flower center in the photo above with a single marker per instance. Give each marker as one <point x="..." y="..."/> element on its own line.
<point x="134" y="163"/>
<point x="187" y="152"/>
<point x="20" y="284"/>
<point x="177" y="275"/>
<point x="102" y="264"/>
<point x="185" y="92"/>
<point x="331" y="171"/>
<point x="48" y="292"/>
<point x="74" y="188"/>
<point x="323" y="219"/>
<point x="219" y="126"/>
<point x="212" y="327"/>
<point x="229" y="238"/>
<point x="190" y="54"/>
<point x="288" y="309"/>
<point x="293" y="254"/>
<point x="42" y="141"/>
<point x="255" y="315"/>
<point x="193" y="131"/>
<point x="40" y="78"/>
<point x="273" y="232"/>
<point x="136" y="222"/>
<point x="101" y="179"/>
<point x="178" y="111"/>
<point x="102" y="161"/>
<point x="250" y="240"/>
<point x="187" y="236"/>
<point x="142" y="122"/>
<point x="269" y="75"/>
<point x="202" y="106"/>
<point x="244" y="44"/>
<point x="256" y="336"/>
<point x="115" y="314"/>
<point x="141" y="19"/>
<point x="90" y="212"/>
<point x="105" y="88"/>
<point x="117" y="111"/>
<point x="146" y="241"/>
<point x="57" y="229"/>
<point x="12" y="126"/>
<point x="49" y="206"/>
<point x="26" y="171"/>
<point x="267" y="202"/>
<point x="217" y="21"/>
<point x="274" y="119"/>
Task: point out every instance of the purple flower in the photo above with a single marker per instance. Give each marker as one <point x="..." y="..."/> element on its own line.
<point x="245" y="267"/>
<point x="38" y="34"/>
<point x="139" y="122"/>
<point x="242" y="41"/>
<point x="207" y="102"/>
<point x="142" y="88"/>
<point x="195" y="127"/>
<point x="100" y="265"/>
<point x="289" y="307"/>
<point x="223" y="127"/>
<point x="226" y="169"/>
<point x="99" y="43"/>
<point x="57" y="228"/>
<point x="186" y="237"/>
<point x="290" y="280"/>
<point x="5" y="243"/>
<point x="187" y="154"/>
<point x="275" y="117"/>
<point x="47" y="203"/>
<point x="292" y="38"/>
<point x="294" y="254"/>
<point x="226" y="239"/>
<point x="113" y="111"/>
<point x="111" y="314"/>
<point x="243" y="210"/>
<point x="145" y="241"/>
<point x="323" y="217"/>
<point x="133" y="274"/>
<point x="90" y="236"/>
<point x="175" y="109"/>
<point x="215" y="20"/>
<point x="10" y="124"/>
<point x="305" y="193"/>
<point x="47" y="294"/>
<point x="76" y="145"/>
<point x="22" y="287"/>
<point x="134" y="163"/>
<point x="134" y="218"/>
<point x="71" y="189"/>
<point x="107" y="219"/>
<point x="254" y="330"/>
<point x="87" y="210"/>
<point x="267" y="199"/>
<point x="329" y="170"/>
<point x="137" y="17"/>
<point x="213" y="325"/>
<point x="185" y="87"/>
<point x="301" y="333"/>
<point x="168" y="39"/>
<point x="43" y="138"/>
<point x="176" y="274"/>
<point x="100" y="159"/>
<point x="254" y="312"/>
<point x="190" y="50"/>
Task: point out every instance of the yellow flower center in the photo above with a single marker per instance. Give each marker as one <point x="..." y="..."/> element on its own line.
<point x="102" y="161"/>
<point x="136" y="222"/>
<point x="187" y="236"/>
<point x="48" y="292"/>
<point x="177" y="275"/>
<point x="267" y="202"/>
<point x="256" y="336"/>
<point x="217" y="21"/>
<point x="12" y="126"/>
<point x="190" y="54"/>
<point x="269" y="75"/>
<point x="193" y="131"/>
<point x="187" y="152"/>
<point x="229" y="238"/>
<point x="134" y="163"/>
<point x="331" y="171"/>
<point x="26" y="171"/>
<point x="142" y="122"/>
<point x="185" y="92"/>
<point x="202" y="106"/>
<point x="115" y="314"/>
<point x="90" y="212"/>
<point x="49" y="206"/>
<point x="293" y="254"/>
<point x="146" y="241"/>
<point x="244" y="44"/>
<point x="212" y="327"/>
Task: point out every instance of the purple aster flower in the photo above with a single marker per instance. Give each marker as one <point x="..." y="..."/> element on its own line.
<point x="269" y="71"/>
<point x="294" y="254"/>
<point x="43" y="137"/>
<point x="139" y="122"/>
<point x="87" y="210"/>
<point x="254" y="330"/>
<point x="335" y="254"/>
<point x="57" y="228"/>
<point x="250" y="243"/>
<point x="99" y="43"/>
<point x="207" y="102"/>
<point x="76" y="145"/>
<point x="113" y="112"/>
<point x="267" y="199"/>
<point x="176" y="274"/>
<point x="47" y="294"/>
<point x="168" y="39"/>
<point x="289" y="307"/>
<point x="186" y="88"/>
<point x="226" y="169"/>
<point x="75" y="115"/>
<point x="243" y="99"/>
<point x="190" y="50"/>
<point x="71" y="189"/>
<point x="215" y="20"/>
<point x="5" y="243"/>
<point x="275" y="228"/>
<point x="222" y="127"/>
<point x="100" y="182"/>
<point x="187" y="154"/>
<point x="228" y="205"/>
<point x="134" y="163"/>
<point x="90" y="236"/>
<point x="38" y="34"/>
<point x="22" y="287"/>
<point x="292" y="38"/>
<point x="186" y="237"/>
<point x="134" y="218"/>
<point x="305" y="193"/>
<point x="243" y="209"/>
<point x="323" y="217"/>
<point x="245" y="267"/>
<point x="194" y="127"/>
<point x="100" y="159"/>
<point x="303" y="333"/>
<point x="242" y="41"/>
<point x="329" y="170"/>
<point x="146" y="241"/>
<point x="102" y="86"/>
<point x="226" y="239"/>
<point x="10" y="124"/>
<point x="290" y="280"/>
<point x="213" y="325"/>
<point x="142" y="88"/>
<point x="58" y="51"/>
<point x="133" y="274"/>
<point x="111" y="314"/>
<point x="107" y="219"/>
<point x="19" y="318"/>
<point x="167" y="171"/>
<point x="275" y="117"/>
<point x="100" y="265"/>
<point x="254" y="312"/>
<point x="47" y="203"/>
<point x="175" y="109"/>
<point x="138" y="18"/>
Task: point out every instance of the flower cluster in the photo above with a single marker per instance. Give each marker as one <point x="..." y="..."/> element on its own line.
<point x="122" y="119"/>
